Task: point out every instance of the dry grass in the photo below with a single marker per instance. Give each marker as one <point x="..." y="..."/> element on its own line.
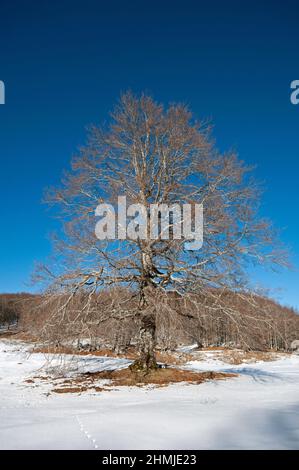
<point x="128" y="378"/>
<point x="237" y="356"/>
<point x="173" y="358"/>
<point x="70" y="390"/>
<point x="163" y="377"/>
<point x="19" y="335"/>
<point x="170" y="358"/>
<point x="8" y="334"/>
<point x="230" y="356"/>
<point x="68" y="350"/>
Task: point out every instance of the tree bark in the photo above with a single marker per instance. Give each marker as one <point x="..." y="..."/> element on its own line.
<point x="147" y="330"/>
<point x="147" y="343"/>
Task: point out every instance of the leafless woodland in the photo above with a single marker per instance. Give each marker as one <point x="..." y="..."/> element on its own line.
<point x="256" y="323"/>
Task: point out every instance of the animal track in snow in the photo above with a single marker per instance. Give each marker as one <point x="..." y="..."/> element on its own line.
<point x="87" y="434"/>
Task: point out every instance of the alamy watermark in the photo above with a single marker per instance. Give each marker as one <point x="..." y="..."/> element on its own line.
<point x="295" y="93"/>
<point x="158" y="221"/>
<point x="2" y="92"/>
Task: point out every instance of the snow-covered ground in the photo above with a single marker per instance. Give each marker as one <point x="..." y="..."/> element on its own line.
<point x="257" y="410"/>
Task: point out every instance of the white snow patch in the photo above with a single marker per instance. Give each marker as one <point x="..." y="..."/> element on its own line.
<point x="257" y="410"/>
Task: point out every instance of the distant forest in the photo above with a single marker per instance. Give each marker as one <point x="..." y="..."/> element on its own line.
<point x="260" y="324"/>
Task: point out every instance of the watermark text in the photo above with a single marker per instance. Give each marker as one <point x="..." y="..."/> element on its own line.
<point x="155" y="222"/>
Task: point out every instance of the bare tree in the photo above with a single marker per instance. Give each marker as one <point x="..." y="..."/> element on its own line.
<point x="152" y="156"/>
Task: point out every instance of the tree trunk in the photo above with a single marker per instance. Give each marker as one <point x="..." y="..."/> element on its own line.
<point x="147" y="331"/>
<point x="147" y="343"/>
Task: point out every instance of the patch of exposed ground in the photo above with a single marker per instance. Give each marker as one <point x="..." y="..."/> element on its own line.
<point x="69" y="350"/>
<point x="109" y="379"/>
<point x="8" y="334"/>
<point x="238" y="356"/>
<point x="172" y="357"/>
<point x="126" y="377"/>
<point x="227" y="355"/>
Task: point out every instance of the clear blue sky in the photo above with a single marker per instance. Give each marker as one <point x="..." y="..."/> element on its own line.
<point x="65" y="63"/>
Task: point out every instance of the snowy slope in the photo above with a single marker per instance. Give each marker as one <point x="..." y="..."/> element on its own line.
<point x="257" y="410"/>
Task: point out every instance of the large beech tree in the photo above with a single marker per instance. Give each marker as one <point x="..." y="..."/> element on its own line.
<point x="152" y="155"/>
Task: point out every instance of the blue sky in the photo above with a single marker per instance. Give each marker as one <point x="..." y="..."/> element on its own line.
<point x="64" y="65"/>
